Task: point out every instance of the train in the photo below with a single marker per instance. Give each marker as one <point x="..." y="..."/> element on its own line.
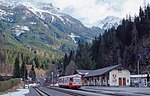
<point x="71" y="81"/>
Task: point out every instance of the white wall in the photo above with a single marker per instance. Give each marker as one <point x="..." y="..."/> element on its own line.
<point x="114" y="80"/>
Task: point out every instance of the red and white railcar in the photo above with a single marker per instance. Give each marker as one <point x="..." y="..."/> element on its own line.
<point x="71" y="81"/>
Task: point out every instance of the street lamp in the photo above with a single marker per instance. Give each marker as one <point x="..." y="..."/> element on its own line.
<point x="138" y="69"/>
<point x="52" y="79"/>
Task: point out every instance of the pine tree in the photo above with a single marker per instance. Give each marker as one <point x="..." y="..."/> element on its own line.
<point x="83" y="58"/>
<point x="100" y="55"/>
<point x="71" y="56"/>
<point x="65" y="63"/>
<point x="16" y="71"/>
<point x="96" y="52"/>
<point x="23" y="69"/>
<point x="6" y="57"/>
<point x="32" y="74"/>
<point x="36" y="60"/>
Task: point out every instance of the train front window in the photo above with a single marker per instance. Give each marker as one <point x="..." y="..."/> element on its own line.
<point x="77" y="79"/>
<point x="71" y="79"/>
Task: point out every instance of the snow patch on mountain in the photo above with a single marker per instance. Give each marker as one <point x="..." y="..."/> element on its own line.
<point x="26" y="28"/>
<point x="53" y="19"/>
<point x="68" y="20"/>
<point x="10" y="13"/>
<point x="32" y="23"/>
<point x="46" y="25"/>
<point x="73" y="36"/>
<point x="20" y="30"/>
<point x="2" y="12"/>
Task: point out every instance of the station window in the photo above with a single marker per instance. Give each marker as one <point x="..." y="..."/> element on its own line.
<point x="127" y="80"/>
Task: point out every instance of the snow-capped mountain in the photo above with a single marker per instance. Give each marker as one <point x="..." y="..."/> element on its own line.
<point x="49" y="12"/>
<point x="43" y="25"/>
<point x="62" y="21"/>
<point x="43" y="10"/>
<point x="108" y="22"/>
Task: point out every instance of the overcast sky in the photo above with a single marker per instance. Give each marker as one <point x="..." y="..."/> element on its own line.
<point x="91" y="11"/>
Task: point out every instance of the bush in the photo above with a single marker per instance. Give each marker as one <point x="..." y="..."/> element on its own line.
<point x="5" y="85"/>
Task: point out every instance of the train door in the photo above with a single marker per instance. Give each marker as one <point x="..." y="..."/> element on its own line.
<point x="70" y="82"/>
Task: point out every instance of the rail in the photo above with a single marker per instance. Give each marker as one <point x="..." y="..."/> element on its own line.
<point x="41" y="92"/>
<point x="65" y="91"/>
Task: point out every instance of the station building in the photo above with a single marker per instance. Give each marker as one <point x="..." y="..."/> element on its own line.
<point x="109" y="76"/>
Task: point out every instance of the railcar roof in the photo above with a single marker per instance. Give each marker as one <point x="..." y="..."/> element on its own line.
<point x="83" y="72"/>
<point x="70" y="76"/>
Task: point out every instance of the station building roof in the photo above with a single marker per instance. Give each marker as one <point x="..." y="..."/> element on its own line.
<point x="101" y="71"/>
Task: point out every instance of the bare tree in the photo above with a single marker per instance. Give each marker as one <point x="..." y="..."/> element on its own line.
<point x="70" y="69"/>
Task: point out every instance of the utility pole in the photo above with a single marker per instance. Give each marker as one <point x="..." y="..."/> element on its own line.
<point x="24" y="74"/>
<point x="135" y="38"/>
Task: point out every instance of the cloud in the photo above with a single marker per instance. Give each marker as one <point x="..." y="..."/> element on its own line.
<point x="91" y="11"/>
<point x="131" y="7"/>
<point x="88" y="11"/>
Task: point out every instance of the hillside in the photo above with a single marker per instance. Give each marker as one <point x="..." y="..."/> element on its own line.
<point x="37" y="34"/>
<point x="42" y="27"/>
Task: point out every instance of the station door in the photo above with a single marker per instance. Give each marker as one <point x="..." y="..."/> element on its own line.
<point x="122" y="81"/>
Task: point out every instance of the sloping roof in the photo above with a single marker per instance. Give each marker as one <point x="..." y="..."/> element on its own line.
<point x="83" y="72"/>
<point x="99" y="72"/>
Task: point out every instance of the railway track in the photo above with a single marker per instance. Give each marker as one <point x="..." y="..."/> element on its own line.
<point x="73" y="92"/>
<point x="41" y="92"/>
<point x="80" y="94"/>
<point x="66" y="91"/>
